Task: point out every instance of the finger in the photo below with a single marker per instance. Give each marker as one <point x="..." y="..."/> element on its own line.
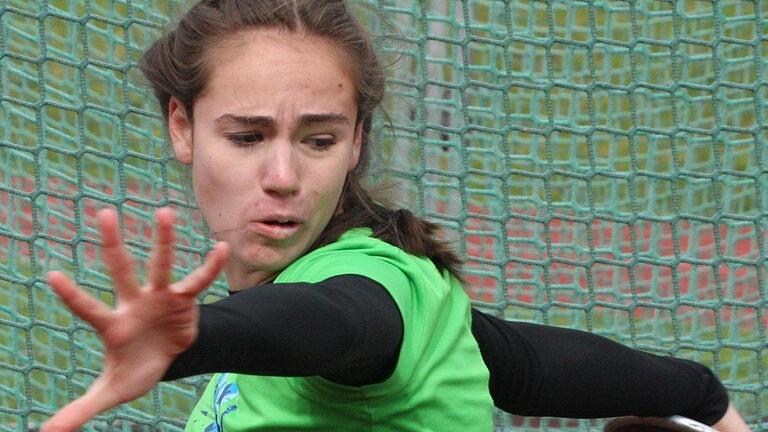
<point x="163" y="256"/>
<point x="204" y="275"/>
<point x="81" y="303"/>
<point x="97" y="399"/>
<point x="116" y="257"/>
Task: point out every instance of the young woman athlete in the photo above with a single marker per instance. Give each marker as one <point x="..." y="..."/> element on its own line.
<point x="346" y="315"/>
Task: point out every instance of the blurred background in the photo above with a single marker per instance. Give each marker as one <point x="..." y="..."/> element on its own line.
<point x="601" y="165"/>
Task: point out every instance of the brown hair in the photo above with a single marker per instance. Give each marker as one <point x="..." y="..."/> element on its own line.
<point x="176" y="66"/>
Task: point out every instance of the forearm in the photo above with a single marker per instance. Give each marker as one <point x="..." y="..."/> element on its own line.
<point x="346" y="329"/>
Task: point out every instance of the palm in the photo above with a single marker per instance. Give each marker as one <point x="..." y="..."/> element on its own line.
<point x="148" y="328"/>
<point x="144" y="338"/>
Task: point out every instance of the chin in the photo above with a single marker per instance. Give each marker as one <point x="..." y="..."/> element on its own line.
<point x="272" y="260"/>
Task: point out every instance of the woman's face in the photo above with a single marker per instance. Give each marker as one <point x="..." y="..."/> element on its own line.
<point x="272" y="139"/>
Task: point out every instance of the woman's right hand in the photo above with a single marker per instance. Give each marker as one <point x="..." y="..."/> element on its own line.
<point x="149" y="326"/>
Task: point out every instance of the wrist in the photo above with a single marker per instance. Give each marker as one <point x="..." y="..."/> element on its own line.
<point x="731" y="422"/>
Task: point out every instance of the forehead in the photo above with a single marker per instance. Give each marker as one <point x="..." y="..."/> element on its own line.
<point x="261" y="71"/>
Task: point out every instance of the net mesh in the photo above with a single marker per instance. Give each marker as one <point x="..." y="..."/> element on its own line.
<point x="601" y="165"/>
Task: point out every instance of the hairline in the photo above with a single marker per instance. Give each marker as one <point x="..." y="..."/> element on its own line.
<point x="225" y="42"/>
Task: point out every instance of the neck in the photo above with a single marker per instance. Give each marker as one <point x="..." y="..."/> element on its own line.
<point x="238" y="279"/>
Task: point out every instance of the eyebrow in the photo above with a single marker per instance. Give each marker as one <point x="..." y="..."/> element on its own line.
<point x="267" y="121"/>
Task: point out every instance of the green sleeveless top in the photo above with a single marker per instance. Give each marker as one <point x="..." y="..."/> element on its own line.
<point x="440" y="382"/>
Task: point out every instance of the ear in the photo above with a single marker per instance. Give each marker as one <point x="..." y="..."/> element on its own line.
<point x="357" y="146"/>
<point x="180" y="131"/>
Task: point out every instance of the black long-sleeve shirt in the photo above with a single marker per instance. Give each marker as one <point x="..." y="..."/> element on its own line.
<point x="348" y="329"/>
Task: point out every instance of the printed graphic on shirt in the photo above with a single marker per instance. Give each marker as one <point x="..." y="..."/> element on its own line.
<point x="225" y="397"/>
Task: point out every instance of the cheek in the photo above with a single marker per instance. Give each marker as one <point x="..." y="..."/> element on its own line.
<point x="333" y="184"/>
<point x="217" y="190"/>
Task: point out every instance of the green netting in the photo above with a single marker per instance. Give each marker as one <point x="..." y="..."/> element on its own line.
<point x="601" y="165"/>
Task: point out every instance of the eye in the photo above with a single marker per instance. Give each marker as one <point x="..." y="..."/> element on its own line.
<point x="246" y="139"/>
<point x="322" y="142"/>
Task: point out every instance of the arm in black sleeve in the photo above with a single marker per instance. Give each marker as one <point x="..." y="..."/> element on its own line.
<point x="346" y="328"/>
<point x="550" y="371"/>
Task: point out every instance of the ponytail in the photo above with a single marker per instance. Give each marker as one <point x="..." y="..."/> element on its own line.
<point x="399" y="227"/>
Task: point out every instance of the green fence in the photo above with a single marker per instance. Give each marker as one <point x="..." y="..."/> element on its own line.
<point x="601" y="165"/>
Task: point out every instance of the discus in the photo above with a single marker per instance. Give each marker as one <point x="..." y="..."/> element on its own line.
<point x="656" y="424"/>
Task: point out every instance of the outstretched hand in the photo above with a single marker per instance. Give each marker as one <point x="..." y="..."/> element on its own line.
<point x="149" y="326"/>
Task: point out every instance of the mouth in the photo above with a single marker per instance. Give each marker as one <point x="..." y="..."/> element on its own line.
<point x="275" y="229"/>
<point x="279" y="223"/>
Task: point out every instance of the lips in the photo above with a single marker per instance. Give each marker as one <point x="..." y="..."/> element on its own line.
<point x="276" y="227"/>
<point x="280" y="220"/>
<point x="286" y="224"/>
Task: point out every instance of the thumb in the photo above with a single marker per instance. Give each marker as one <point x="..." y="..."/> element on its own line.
<point x="98" y="398"/>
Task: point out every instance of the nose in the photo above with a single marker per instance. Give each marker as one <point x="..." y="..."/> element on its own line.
<point x="281" y="172"/>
